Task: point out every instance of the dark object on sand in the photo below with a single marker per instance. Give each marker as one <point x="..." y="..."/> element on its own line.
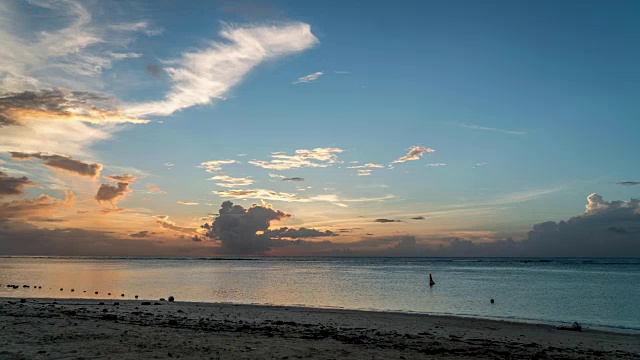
<point x="96" y="293"/>
<point x="22" y="301"/>
<point x="25" y="286"/>
<point x="72" y="290"/>
<point x="431" y="282"/>
<point x="105" y="310"/>
<point x="61" y="289"/>
<point x="145" y="303"/>
<point x="109" y="294"/>
<point x="574" y="327"/>
<point x="156" y="303"/>
<point x="171" y="299"/>
<point x="101" y="303"/>
<point x="116" y="303"/>
<point x="173" y="322"/>
<point x="136" y="296"/>
<point x="39" y="287"/>
<point x="162" y="299"/>
<point x="109" y="317"/>
<point x="122" y="295"/>
<point x="492" y="301"/>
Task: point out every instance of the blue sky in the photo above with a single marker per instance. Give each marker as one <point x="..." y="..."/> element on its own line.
<point x="528" y="106"/>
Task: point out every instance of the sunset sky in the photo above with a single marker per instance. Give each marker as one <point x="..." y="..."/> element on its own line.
<point x="409" y="128"/>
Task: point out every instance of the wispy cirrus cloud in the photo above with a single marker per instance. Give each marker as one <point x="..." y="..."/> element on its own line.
<point x="314" y="158"/>
<point x="309" y="78"/>
<point x="188" y="203"/>
<point x="436" y="164"/>
<point x="415" y="153"/>
<point x="367" y="166"/>
<point x="628" y="183"/>
<point x="484" y="128"/>
<point x="231" y="182"/>
<point x="260" y="194"/>
<point x="204" y="75"/>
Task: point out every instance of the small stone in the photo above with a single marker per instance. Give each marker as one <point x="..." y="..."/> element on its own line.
<point x="136" y="296"/>
<point x="173" y="322"/>
<point x="145" y="303"/>
<point x="492" y="301"/>
<point x="72" y="290"/>
<point x="122" y="295"/>
<point x="96" y="293"/>
<point x="61" y="289"/>
<point x="22" y="301"/>
<point x="100" y="303"/>
<point x="116" y="303"/>
<point x="105" y="310"/>
<point x="171" y="299"/>
<point x="162" y="299"/>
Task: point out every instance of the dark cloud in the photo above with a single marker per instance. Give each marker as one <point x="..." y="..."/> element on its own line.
<point x="111" y="194"/>
<point x="60" y="104"/>
<point x="293" y="179"/>
<point x="63" y="162"/>
<point x="19" y="238"/>
<point x="386" y="221"/>
<point x="27" y="209"/>
<point x="13" y="185"/>
<point x="417" y="218"/>
<point x="126" y="178"/>
<point x="628" y="183"/>
<point x="291" y="233"/>
<point x="142" y="234"/>
<point x="154" y="69"/>
<point x="246" y="231"/>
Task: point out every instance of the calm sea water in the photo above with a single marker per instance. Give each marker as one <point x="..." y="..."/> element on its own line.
<point x="600" y="293"/>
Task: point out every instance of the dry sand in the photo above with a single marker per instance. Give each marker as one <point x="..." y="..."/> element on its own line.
<point x="84" y="329"/>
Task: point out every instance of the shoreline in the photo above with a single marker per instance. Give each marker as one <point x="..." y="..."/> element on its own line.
<point x="253" y="331"/>
<point x="554" y="324"/>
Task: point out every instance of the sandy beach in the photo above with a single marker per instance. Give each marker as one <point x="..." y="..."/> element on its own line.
<point x="108" y="329"/>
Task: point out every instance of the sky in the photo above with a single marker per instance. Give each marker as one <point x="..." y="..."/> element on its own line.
<point x="424" y="128"/>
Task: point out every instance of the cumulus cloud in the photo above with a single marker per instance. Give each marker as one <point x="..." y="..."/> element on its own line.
<point x="13" y="185"/>
<point x="112" y="194"/>
<point x="309" y="78"/>
<point x="201" y="76"/>
<point x="246" y="231"/>
<point x="214" y="166"/>
<point x="63" y="162"/>
<point x="231" y="182"/>
<point x="61" y="105"/>
<point x="414" y="153"/>
<point x="314" y="158"/>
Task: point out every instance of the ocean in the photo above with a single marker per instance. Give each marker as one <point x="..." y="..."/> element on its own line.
<point x="598" y="293"/>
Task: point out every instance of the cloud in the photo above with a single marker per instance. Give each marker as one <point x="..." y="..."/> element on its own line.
<point x="168" y="164"/>
<point x="10" y="186"/>
<point x="436" y="164"/>
<point x="63" y="162"/>
<point x="142" y="234"/>
<point x="231" y="182"/>
<point x="63" y="47"/>
<point x="204" y="75"/>
<point x="213" y="166"/>
<point x="309" y="78"/>
<point x="417" y="218"/>
<point x="112" y="194"/>
<point x="277" y="176"/>
<point x="364" y="172"/>
<point x="261" y="194"/>
<point x="155" y="189"/>
<point x="62" y="105"/>
<point x="367" y="166"/>
<point x="386" y="221"/>
<point x="318" y="157"/>
<point x="628" y="183"/>
<point x="26" y="209"/>
<point x="414" y="154"/>
<point x="188" y="203"/>
<point x="246" y="231"/>
<point x="164" y="221"/>
<point x="293" y="179"/>
<point x="291" y="233"/>
<point x="140" y="26"/>
<point x="477" y="127"/>
<point x="127" y="178"/>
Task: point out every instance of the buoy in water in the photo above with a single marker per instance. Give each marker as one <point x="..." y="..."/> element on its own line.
<point x="431" y="282"/>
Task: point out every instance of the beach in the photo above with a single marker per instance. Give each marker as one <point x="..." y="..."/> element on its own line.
<point x="134" y="329"/>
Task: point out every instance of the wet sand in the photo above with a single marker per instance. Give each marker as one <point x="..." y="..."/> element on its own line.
<point x="85" y="329"/>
